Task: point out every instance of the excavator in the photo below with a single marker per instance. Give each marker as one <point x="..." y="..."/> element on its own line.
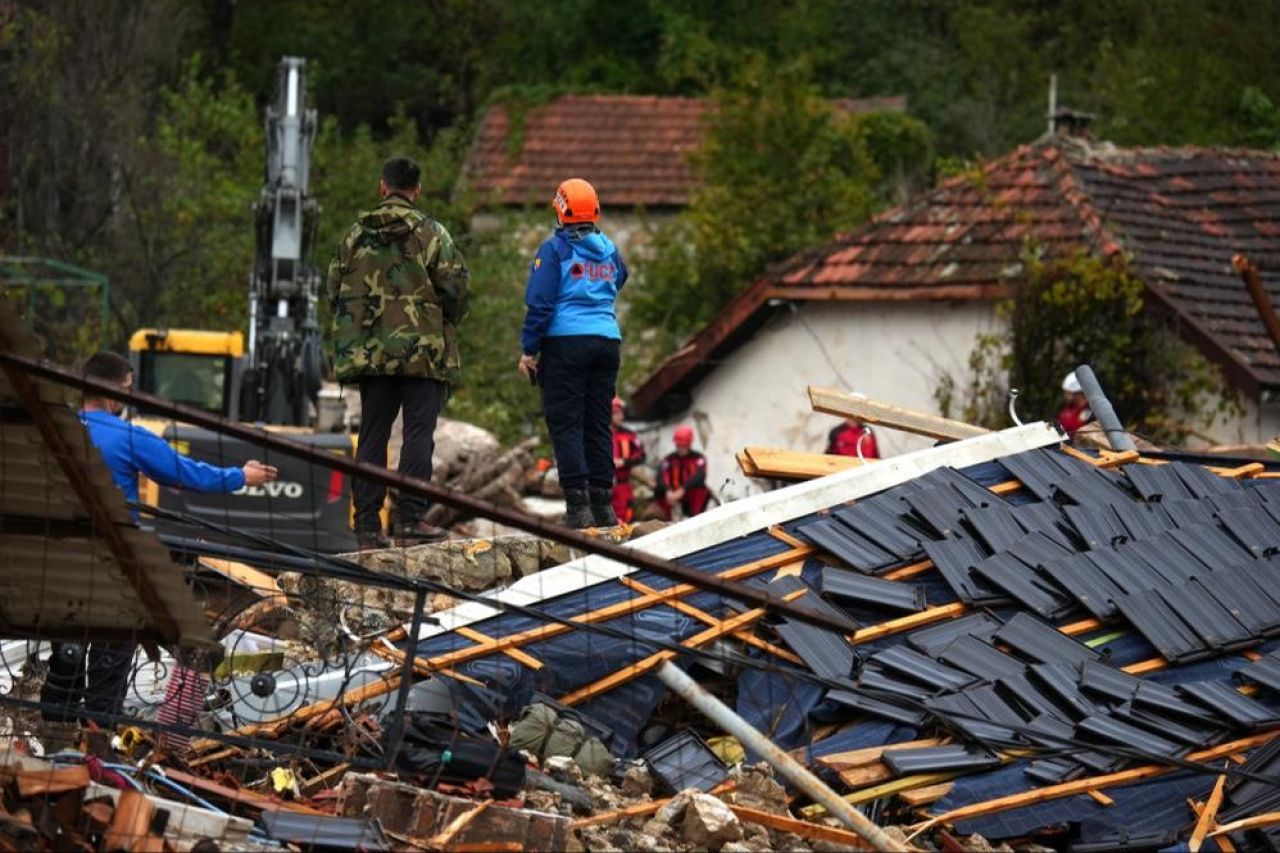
<point x="271" y="376"/>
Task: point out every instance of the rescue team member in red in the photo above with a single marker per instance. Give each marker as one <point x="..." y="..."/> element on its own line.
<point x="1075" y="411"/>
<point x="844" y="438"/>
<point x="628" y="452"/>
<point x="572" y="347"/>
<point x="682" y="478"/>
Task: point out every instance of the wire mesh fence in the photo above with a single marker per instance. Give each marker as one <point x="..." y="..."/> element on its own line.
<point x="1001" y="637"/>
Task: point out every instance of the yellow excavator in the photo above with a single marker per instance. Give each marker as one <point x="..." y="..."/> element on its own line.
<point x="272" y="375"/>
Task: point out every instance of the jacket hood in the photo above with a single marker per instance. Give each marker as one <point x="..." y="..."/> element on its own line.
<point x="390" y="221"/>
<point x="593" y="243"/>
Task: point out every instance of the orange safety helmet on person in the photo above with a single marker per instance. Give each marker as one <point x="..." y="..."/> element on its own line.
<point x="576" y="201"/>
<point x="683" y="436"/>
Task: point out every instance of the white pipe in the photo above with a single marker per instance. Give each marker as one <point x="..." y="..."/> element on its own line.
<point x="723" y="716"/>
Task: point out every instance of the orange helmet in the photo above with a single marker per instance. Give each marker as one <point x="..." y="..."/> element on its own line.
<point x="683" y="436"/>
<point x="576" y="201"/>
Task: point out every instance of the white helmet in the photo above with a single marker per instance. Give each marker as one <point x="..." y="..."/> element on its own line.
<point x="1071" y="384"/>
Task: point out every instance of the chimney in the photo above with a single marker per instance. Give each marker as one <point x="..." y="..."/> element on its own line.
<point x="1064" y="121"/>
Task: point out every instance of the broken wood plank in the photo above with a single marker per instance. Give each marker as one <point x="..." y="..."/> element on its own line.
<point x="802" y="828"/>
<point x="780" y="464"/>
<point x="1082" y="786"/>
<point x="53" y="780"/>
<point x="746" y="465"/>
<point x="458" y="824"/>
<point x="233" y="795"/>
<point x="1208" y="816"/>
<point x="846" y="405"/>
<point x="926" y="795"/>
<point x="1258" y="821"/>
<point x="319" y="783"/>
<point x="638" y="810"/>
<point x="1100" y="798"/>
<point x="130" y="823"/>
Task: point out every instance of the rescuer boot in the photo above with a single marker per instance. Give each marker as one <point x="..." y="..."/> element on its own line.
<point x="371" y="540"/>
<point x="577" y="508"/>
<point x="418" y="531"/>
<point x="602" y="506"/>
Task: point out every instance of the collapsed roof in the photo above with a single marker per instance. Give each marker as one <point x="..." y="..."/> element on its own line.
<point x="1033" y="622"/>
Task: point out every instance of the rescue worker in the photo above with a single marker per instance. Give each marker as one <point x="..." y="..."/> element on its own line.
<point x="397" y="290"/>
<point x="128" y="450"/>
<point x="847" y="436"/>
<point x="682" y="478"/>
<point x="628" y="452"/>
<point x="1075" y="411"/>
<point x="571" y="347"/>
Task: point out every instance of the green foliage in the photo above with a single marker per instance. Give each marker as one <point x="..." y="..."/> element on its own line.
<point x="1087" y="310"/>
<point x="780" y="170"/>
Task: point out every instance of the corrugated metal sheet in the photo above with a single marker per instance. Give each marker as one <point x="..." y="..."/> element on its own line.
<point x="59" y="577"/>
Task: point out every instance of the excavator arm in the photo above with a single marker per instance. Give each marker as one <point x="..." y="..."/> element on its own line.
<point x="283" y="349"/>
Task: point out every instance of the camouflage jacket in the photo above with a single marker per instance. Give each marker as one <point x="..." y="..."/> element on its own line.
<point x="397" y="291"/>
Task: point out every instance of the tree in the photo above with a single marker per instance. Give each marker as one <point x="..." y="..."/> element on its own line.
<point x="1082" y="309"/>
<point x="780" y="169"/>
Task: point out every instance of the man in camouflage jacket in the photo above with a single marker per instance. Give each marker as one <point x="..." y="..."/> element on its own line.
<point x="397" y="291"/>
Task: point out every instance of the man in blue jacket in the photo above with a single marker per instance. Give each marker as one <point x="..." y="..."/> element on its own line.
<point x="129" y="450"/>
<point x="572" y="348"/>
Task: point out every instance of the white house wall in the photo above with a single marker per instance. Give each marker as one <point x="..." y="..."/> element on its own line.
<point x="893" y="352"/>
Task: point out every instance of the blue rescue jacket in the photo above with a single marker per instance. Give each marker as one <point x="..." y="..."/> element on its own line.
<point x="130" y="450"/>
<point x="573" y="282"/>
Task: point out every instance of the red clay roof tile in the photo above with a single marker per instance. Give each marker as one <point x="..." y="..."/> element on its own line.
<point x="634" y="149"/>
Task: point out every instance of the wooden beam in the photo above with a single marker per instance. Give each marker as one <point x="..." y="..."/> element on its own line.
<point x="74" y="469"/>
<point x="1083" y="786"/>
<point x="843" y="404"/>
<point x="1208" y="816"/>
<point x="515" y="654"/>
<point x="639" y="668"/>
<point x="909" y="622"/>
<point x="743" y="634"/>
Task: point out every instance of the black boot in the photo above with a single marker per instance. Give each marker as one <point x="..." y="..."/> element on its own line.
<point x="577" y="512"/>
<point x="602" y="506"/>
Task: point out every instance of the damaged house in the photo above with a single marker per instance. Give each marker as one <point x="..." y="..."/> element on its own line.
<point x="892" y="306"/>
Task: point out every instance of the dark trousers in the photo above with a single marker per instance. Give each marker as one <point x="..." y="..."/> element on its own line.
<point x="579" y="374"/>
<point x="107" y="667"/>
<point x="381" y="399"/>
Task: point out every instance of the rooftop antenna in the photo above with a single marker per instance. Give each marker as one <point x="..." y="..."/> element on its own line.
<point x="1053" y="103"/>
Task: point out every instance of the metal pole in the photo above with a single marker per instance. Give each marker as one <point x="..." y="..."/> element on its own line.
<point x="1117" y="436"/>
<point x="513" y="518"/>
<point x="793" y="770"/>
<point x="406" y="677"/>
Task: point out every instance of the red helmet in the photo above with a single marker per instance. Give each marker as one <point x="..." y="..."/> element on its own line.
<point x="576" y="201"/>
<point x="683" y="436"/>
<point x="618" y="404"/>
